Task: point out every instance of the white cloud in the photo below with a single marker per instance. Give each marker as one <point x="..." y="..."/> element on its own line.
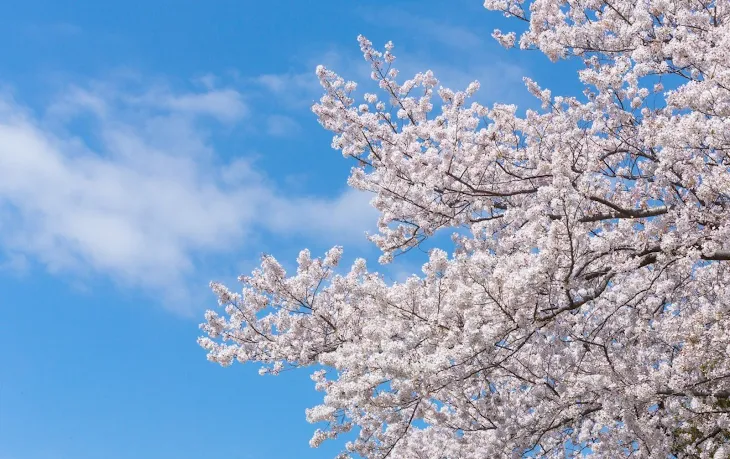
<point x="435" y="30"/>
<point x="283" y="82"/>
<point x="341" y="219"/>
<point x="112" y="182"/>
<point x="300" y="88"/>
<point x="282" y="126"/>
<point x="223" y="104"/>
<point x="295" y="90"/>
<point x="15" y="264"/>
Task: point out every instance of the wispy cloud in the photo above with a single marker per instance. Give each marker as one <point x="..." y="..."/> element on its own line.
<point x="299" y="87"/>
<point x="282" y="126"/>
<point x="290" y="81"/>
<point x="434" y="30"/>
<point x="127" y="184"/>
<point x="14" y="264"/>
<point x="294" y="89"/>
<point x="223" y="104"/>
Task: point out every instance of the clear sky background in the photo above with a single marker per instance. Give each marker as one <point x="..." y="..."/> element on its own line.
<point x="148" y="147"/>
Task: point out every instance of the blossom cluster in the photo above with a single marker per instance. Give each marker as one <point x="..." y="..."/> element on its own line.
<point x="585" y="304"/>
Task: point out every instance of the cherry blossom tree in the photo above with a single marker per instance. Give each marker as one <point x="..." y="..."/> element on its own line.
<point x="584" y="306"/>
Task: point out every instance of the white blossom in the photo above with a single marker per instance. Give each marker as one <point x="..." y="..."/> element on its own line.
<point x="586" y="298"/>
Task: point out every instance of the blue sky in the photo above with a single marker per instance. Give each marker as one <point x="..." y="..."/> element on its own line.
<point x="148" y="147"/>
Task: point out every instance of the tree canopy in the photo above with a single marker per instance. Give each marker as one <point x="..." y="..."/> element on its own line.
<point x="584" y="306"/>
